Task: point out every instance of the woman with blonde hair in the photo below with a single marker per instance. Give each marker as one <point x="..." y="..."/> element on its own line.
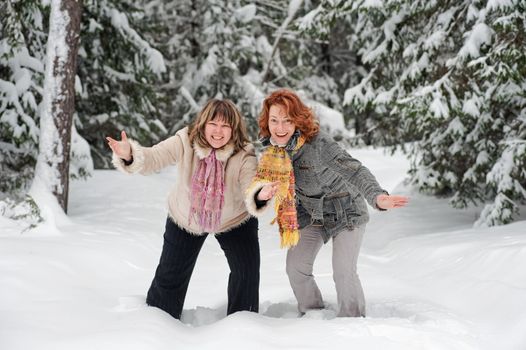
<point x="215" y="164"/>
<point x="320" y="193"/>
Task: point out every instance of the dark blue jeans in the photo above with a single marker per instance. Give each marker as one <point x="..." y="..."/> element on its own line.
<point x="178" y="258"/>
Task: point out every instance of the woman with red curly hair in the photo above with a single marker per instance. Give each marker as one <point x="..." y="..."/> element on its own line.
<point x="320" y="193"/>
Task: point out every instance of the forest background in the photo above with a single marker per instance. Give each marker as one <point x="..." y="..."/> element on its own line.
<point x="444" y="81"/>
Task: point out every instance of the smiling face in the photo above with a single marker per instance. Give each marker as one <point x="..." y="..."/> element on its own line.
<point x="217" y="132"/>
<point x="281" y="127"/>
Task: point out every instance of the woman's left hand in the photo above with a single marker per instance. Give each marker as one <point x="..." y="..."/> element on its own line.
<point x="268" y="191"/>
<point x="385" y="201"/>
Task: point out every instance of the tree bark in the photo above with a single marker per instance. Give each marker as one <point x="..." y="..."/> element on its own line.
<point x="59" y="98"/>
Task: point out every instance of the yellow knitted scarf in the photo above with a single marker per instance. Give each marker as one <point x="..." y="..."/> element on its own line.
<point x="276" y="165"/>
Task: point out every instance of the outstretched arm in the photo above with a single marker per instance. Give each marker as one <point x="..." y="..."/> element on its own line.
<point x="130" y="157"/>
<point x="121" y="148"/>
<point x="353" y="171"/>
<point x="385" y="201"/>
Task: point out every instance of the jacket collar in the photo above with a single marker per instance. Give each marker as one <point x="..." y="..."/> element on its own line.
<point x="222" y="154"/>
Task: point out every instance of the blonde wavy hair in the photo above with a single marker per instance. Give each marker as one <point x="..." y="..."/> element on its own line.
<point x="226" y="111"/>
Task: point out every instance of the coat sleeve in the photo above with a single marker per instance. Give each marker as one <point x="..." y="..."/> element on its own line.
<point x="247" y="169"/>
<point x="147" y="160"/>
<point x="250" y="185"/>
<point x="352" y="171"/>
<point x="255" y="207"/>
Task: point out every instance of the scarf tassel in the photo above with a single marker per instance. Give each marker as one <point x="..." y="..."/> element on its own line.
<point x="289" y="238"/>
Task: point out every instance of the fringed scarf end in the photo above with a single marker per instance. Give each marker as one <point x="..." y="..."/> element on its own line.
<point x="290" y="238"/>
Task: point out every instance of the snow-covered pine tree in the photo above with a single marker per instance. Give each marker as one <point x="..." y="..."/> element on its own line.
<point x="118" y="70"/>
<point x="211" y="51"/>
<point x="329" y="61"/>
<point x="452" y="76"/>
<point x="238" y="50"/>
<point x="286" y="58"/>
<point x="22" y="49"/>
<point x="177" y="32"/>
<point x="24" y="32"/>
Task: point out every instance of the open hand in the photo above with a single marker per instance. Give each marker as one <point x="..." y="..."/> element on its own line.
<point x="385" y="201"/>
<point x="121" y="148"/>
<point x="268" y="191"/>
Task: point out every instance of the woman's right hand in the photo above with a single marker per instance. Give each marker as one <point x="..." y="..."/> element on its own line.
<point x="268" y="191"/>
<point x="121" y="148"/>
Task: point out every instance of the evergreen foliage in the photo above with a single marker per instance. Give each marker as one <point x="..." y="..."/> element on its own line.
<point x="450" y="76"/>
<point x="211" y="50"/>
<point x="444" y="80"/>
<point x="22" y="50"/>
<point x="118" y="70"/>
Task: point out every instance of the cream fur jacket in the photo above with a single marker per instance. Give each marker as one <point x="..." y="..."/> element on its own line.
<point x="177" y="150"/>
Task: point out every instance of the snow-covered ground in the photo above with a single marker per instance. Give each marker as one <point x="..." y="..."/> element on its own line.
<point x="431" y="280"/>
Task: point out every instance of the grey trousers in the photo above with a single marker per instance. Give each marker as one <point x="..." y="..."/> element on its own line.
<point x="345" y="250"/>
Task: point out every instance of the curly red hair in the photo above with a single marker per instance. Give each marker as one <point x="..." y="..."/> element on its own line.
<point x="301" y="115"/>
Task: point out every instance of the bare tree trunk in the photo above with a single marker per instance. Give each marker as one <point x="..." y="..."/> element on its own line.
<point x="52" y="171"/>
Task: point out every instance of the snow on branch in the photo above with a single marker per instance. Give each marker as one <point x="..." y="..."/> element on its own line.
<point x="154" y="58"/>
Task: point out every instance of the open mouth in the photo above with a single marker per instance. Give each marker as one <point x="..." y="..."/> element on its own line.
<point x="217" y="138"/>
<point x="281" y="135"/>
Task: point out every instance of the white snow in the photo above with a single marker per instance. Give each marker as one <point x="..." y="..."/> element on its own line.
<point x="431" y="280"/>
<point x="263" y="47"/>
<point x="80" y="160"/>
<point x="471" y="106"/>
<point x="455" y="127"/>
<point x="330" y="118"/>
<point x="362" y="92"/>
<point x="481" y="34"/>
<point x="94" y="25"/>
<point x="154" y="58"/>
<point x="251" y="87"/>
<point x="22" y="79"/>
<point x="501" y="171"/>
<point x="188" y="97"/>
<point x="308" y="21"/>
<point x="389" y="27"/>
<point x="22" y="58"/>
<point x="246" y="13"/>
<point x="18" y="94"/>
<point x="372" y="3"/>
<point x="210" y="65"/>
<point x="439" y="107"/>
<point x="293" y="7"/>
<point x="499" y="4"/>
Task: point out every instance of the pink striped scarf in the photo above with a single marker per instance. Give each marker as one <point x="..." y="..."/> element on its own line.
<point x="207" y="193"/>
